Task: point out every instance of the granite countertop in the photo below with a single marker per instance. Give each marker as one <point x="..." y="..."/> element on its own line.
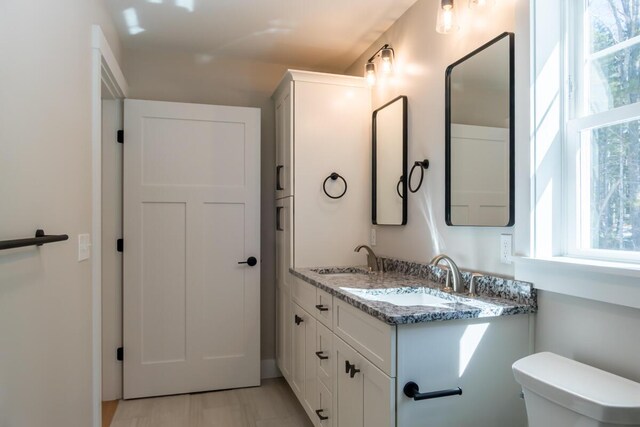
<point x="497" y="296"/>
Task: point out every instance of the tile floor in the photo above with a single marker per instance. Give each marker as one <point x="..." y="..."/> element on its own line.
<point x="271" y="405"/>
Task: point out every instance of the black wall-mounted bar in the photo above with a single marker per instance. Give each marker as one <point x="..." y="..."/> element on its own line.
<point x="39" y="240"/>
<point x="412" y="391"/>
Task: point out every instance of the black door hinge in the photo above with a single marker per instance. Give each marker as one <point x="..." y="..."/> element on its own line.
<point x="120" y="245"/>
<point x="120" y="136"/>
<point x="120" y="354"/>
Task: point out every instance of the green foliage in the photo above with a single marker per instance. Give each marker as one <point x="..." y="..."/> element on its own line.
<point x="615" y="150"/>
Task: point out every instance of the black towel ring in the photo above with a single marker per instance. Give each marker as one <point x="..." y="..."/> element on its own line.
<point x="334" y="176"/>
<point x="422" y="165"/>
<point x="398" y="187"/>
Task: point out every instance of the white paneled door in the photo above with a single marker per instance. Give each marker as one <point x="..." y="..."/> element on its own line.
<point x="191" y="215"/>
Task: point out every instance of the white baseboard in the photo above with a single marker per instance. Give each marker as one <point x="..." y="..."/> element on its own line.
<point x="269" y="369"/>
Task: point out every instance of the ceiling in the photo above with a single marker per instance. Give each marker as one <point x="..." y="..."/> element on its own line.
<point x="313" y="34"/>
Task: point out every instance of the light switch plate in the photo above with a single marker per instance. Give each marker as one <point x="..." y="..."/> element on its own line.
<point x="84" y="247"/>
<point x="506" y="248"/>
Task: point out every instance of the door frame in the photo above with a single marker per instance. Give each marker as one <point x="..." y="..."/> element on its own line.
<point x="105" y="69"/>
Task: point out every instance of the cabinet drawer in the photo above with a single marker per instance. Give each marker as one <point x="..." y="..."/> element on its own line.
<point x="326" y="357"/>
<point x="304" y="294"/>
<point x="325" y="407"/>
<point x="324" y="308"/>
<point x="372" y="338"/>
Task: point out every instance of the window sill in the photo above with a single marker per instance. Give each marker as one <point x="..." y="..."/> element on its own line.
<point x="605" y="281"/>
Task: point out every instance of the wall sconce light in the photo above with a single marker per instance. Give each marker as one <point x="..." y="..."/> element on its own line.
<point x="448" y="14"/>
<point x="447" y="17"/>
<point x="386" y="54"/>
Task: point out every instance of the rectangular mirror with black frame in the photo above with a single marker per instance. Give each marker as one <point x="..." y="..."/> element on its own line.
<point x="480" y="136"/>
<point x="389" y="204"/>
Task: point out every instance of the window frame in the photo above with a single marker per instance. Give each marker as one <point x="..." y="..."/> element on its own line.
<point x="578" y="121"/>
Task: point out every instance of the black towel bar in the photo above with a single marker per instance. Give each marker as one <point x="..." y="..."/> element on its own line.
<point x="39" y="240"/>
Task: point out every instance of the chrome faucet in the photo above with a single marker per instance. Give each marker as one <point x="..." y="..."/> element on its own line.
<point x="372" y="260"/>
<point x="453" y="274"/>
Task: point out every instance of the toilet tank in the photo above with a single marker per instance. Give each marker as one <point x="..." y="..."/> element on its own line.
<point x="562" y="392"/>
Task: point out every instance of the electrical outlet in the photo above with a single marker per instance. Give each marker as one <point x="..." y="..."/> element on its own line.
<point x="372" y="237"/>
<point x="84" y="247"/>
<point x="506" y="248"/>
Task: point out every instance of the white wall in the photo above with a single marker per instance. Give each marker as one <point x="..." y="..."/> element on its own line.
<point x="597" y="333"/>
<point x="183" y="77"/>
<point x="422" y="56"/>
<point x="45" y="182"/>
<point x="603" y="335"/>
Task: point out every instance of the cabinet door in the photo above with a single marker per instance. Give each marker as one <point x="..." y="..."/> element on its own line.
<point x="365" y="396"/>
<point x="349" y="410"/>
<point x="310" y="372"/>
<point x="378" y="397"/>
<point x="326" y="360"/>
<point x="325" y="407"/>
<point x="284" y="241"/>
<point x="283" y="331"/>
<point x="284" y="143"/>
<point x="299" y="321"/>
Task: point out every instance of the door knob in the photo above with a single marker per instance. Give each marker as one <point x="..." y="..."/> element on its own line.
<point x="251" y="261"/>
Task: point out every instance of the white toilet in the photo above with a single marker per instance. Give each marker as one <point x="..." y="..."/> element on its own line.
<point x="561" y="392"/>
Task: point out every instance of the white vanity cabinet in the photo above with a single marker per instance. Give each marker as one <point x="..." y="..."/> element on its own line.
<point x="330" y="393"/>
<point x="351" y="372"/>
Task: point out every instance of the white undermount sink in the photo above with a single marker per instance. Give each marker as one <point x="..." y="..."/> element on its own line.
<point x="400" y="296"/>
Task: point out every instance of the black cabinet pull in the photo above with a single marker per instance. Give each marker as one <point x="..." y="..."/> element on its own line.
<point x="350" y="369"/>
<point x="251" y="261"/>
<point x="321" y="356"/>
<point x="298" y="319"/>
<point x="319" y="413"/>
<point x="412" y="390"/>
<point x="278" y="221"/>
<point x="353" y="371"/>
<point x="278" y="182"/>
<point x="322" y="307"/>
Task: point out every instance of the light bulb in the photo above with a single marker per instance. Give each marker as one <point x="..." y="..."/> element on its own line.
<point x="370" y="73"/>
<point x="386" y="67"/>
<point x="386" y="55"/>
<point x="447" y="17"/>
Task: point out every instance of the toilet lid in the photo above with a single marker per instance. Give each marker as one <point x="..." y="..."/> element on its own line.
<point x="581" y="388"/>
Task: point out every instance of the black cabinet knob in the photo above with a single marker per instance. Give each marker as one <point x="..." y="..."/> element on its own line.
<point x="298" y="319"/>
<point x="322" y="307"/>
<point x="350" y="369"/>
<point x="251" y="261"/>
<point x="353" y="371"/>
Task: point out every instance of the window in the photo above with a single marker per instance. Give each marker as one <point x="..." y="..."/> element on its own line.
<point x="603" y="130"/>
